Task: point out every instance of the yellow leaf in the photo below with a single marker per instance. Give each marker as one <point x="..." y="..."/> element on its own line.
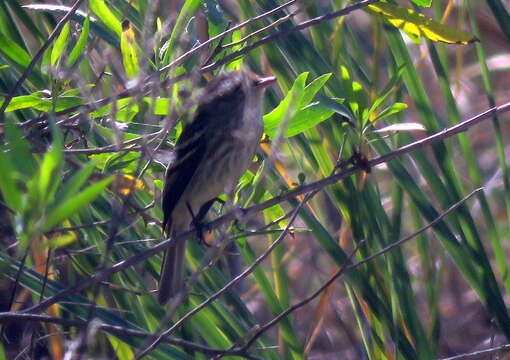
<point x="128" y="50"/>
<point x="416" y="24"/>
<point x="125" y="184"/>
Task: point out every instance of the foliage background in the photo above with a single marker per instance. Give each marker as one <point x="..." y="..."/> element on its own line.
<point x="86" y="136"/>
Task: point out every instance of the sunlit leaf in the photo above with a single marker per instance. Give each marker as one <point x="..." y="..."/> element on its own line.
<point x="273" y="120"/>
<point x="307" y="118"/>
<point x="13" y="51"/>
<point x="391" y="110"/>
<point x="39" y="101"/>
<point x="417" y="24"/>
<point x="60" y="45"/>
<point x="125" y="184"/>
<point x="128" y="50"/>
<point x="313" y="88"/>
<point x="404" y="127"/>
<point x="122" y="350"/>
<point x="61" y="240"/>
<point x="49" y="176"/>
<point x="104" y="13"/>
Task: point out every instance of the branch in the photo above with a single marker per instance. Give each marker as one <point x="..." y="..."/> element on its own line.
<point x="6" y="317"/>
<point x="476" y="354"/>
<point x="255" y="209"/>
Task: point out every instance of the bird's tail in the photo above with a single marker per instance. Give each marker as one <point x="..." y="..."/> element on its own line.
<point x="170" y="281"/>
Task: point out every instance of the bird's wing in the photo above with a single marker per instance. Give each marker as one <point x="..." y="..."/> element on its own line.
<point x="190" y="150"/>
<point x="191" y="146"/>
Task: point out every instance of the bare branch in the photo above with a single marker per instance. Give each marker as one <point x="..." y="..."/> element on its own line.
<point x="491" y="351"/>
<point x="7" y="317"/>
<point x="255" y="209"/>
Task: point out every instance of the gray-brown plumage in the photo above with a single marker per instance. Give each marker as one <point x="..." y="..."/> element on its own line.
<point x="213" y="151"/>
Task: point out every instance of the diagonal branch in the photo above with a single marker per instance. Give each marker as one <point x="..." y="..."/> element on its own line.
<point x="257" y="208"/>
<point x="7" y="317"/>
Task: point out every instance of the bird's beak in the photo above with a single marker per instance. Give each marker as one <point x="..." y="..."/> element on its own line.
<point x="265" y="81"/>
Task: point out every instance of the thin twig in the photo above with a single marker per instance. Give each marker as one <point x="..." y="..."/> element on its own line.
<point x="140" y="88"/>
<point x="261" y="30"/>
<point x="476" y="354"/>
<point x="200" y="47"/>
<point x="301" y="26"/>
<point x="101" y="150"/>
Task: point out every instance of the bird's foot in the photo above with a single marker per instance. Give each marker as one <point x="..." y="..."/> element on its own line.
<point x="360" y="161"/>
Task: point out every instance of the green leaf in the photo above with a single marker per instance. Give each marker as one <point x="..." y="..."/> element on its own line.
<point x="104" y="13"/>
<point x="74" y="204"/>
<point x="391" y="110"/>
<point x="27" y="102"/>
<point x="61" y="240"/>
<point x="19" y="150"/>
<point x="356" y="97"/>
<point x="60" y="45"/>
<point x="2" y="353"/>
<point x="122" y="350"/>
<point x="80" y="44"/>
<point x="423" y="3"/>
<point x="386" y="91"/>
<point x="13" y="51"/>
<point x="49" y="177"/>
<point x="10" y="192"/>
<point x="307" y="118"/>
<point x="37" y="101"/>
<point x="273" y="120"/>
<point x="74" y="184"/>
<point x="187" y="10"/>
<point x="313" y="88"/>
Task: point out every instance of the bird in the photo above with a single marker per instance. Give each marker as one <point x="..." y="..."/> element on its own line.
<point x="215" y="148"/>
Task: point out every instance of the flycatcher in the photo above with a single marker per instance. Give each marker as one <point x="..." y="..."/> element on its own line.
<point x="213" y="151"/>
